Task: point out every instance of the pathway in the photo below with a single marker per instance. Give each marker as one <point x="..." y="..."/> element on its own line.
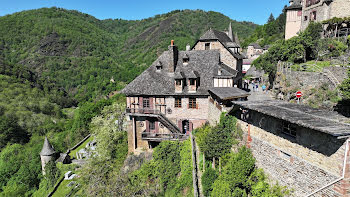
<point x="259" y="96"/>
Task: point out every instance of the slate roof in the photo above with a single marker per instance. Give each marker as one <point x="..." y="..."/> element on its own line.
<point x="248" y="61"/>
<point x="202" y="64"/>
<point x="228" y="93"/>
<point x="215" y="35"/>
<point x="296" y="5"/>
<point x="320" y="120"/>
<point x="255" y="45"/>
<point x="47" y="149"/>
<point x="223" y="38"/>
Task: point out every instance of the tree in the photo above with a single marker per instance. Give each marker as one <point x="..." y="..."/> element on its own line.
<point x="219" y="140"/>
<point x="11" y="132"/>
<point x="271" y="18"/>
<point x="51" y="173"/>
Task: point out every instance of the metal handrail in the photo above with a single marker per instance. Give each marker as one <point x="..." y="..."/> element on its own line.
<point x="142" y="111"/>
<point x="164" y="136"/>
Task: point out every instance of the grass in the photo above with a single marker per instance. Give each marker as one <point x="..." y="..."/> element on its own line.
<point x="64" y="190"/>
<point x="72" y="154"/>
<point x="310" y="66"/>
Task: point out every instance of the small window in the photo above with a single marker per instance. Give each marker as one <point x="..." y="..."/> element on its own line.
<point x="207" y="46"/>
<point x="192" y="104"/>
<point x="152" y="125"/>
<point x="192" y="82"/>
<point x="305" y="18"/>
<point x="314" y="15"/>
<point x="146" y="103"/>
<point x="159" y="67"/>
<point x="178" y="103"/>
<point x="299" y="13"/>
<point x="186" y="60"/>
<point x="178" y="82"/>
<point x="289" y="129"/>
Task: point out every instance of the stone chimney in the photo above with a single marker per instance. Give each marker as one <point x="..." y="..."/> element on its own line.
<point x="188" y="47"/>
<point x="174" y="56"/>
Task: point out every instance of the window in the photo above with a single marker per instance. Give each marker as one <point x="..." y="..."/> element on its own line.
<point x="299" y="13"/>
<point x="178" y="103"/>
<point x="192" y="103"/>
<point x="289" y="129"/>
<point x="152" y="125"/>
<point x="178" y="82"/>
<point x="207" y="46"/>
<point x="192" y="82"/>
<point x="305" y="18"/>
<point x="313" y="15"/>
<point x="146" y="103"/>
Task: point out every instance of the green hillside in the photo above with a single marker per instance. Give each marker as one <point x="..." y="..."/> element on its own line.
<point x="81" y="54"/>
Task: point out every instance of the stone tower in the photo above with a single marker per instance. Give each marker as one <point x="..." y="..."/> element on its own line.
<point x="47" y="154"/>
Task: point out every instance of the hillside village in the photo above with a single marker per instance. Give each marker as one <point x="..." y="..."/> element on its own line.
<point x="213" y="116"/>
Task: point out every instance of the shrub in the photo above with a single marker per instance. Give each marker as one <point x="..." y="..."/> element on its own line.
<point x="208" y="178"/>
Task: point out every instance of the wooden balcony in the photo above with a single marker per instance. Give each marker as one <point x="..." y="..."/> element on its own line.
<point x="158" y="137"/>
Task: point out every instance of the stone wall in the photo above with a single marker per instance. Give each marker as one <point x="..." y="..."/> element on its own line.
<point x="294" y="165"/>
<point x="225" y="56"/>
<point x="322" y="13"/>
<point x="340" y="8"/>
<point x="316" y="79"/>
<point x="197" y="116"/>
<point x="214" y="112"/>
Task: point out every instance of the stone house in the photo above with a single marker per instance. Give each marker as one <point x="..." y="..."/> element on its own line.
<point x="182" y="90"/>
<point x="226" y="43"/>
<point x="301" y="12"/>
<point x="303" y="148"/>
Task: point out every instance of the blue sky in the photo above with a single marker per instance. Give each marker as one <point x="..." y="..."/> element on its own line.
<point x="256" y="11"/>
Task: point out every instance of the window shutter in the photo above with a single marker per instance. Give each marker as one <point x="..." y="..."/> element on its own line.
<point x="191" y="126"/>
<point x="151" y="102"/>
<point x="179" y="123"/>
<point x="147" y="126"/>
<point x="140" y="102"/>
<point x="157" y="127"/>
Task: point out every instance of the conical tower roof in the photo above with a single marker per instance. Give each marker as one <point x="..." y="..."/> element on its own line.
<point x="47" y="150"/>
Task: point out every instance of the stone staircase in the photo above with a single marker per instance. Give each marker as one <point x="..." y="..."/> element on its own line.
<point x="168" y="124"/>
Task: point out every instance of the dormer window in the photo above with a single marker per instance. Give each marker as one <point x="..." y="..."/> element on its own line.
<point x="192" y="82"/>
<point x="178" y="82"/>
<point x="185" y="59"/>
<point x="178" y="85"/>
<point x="159" y="66"/>
<point x="207" y="46"/>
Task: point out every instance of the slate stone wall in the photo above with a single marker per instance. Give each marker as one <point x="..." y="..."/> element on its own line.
<point x="293" y="165"/>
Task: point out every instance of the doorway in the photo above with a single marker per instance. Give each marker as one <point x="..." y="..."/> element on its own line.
<point x="185" y="126"/>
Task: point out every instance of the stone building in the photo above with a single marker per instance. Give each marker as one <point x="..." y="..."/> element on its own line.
<point x="230" y="51"/>
<point x="303" y="148"/>
<point x="47" y="154"/>
<point x="182" y="90"/>
<point x="301" y="12"/>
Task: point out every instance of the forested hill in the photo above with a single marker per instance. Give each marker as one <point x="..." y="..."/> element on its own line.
<point x="78" y="54"/>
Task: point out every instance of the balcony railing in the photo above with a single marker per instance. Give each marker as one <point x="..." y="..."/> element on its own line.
<point x="163" y="136"/>
<point x="142" y="111"/>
